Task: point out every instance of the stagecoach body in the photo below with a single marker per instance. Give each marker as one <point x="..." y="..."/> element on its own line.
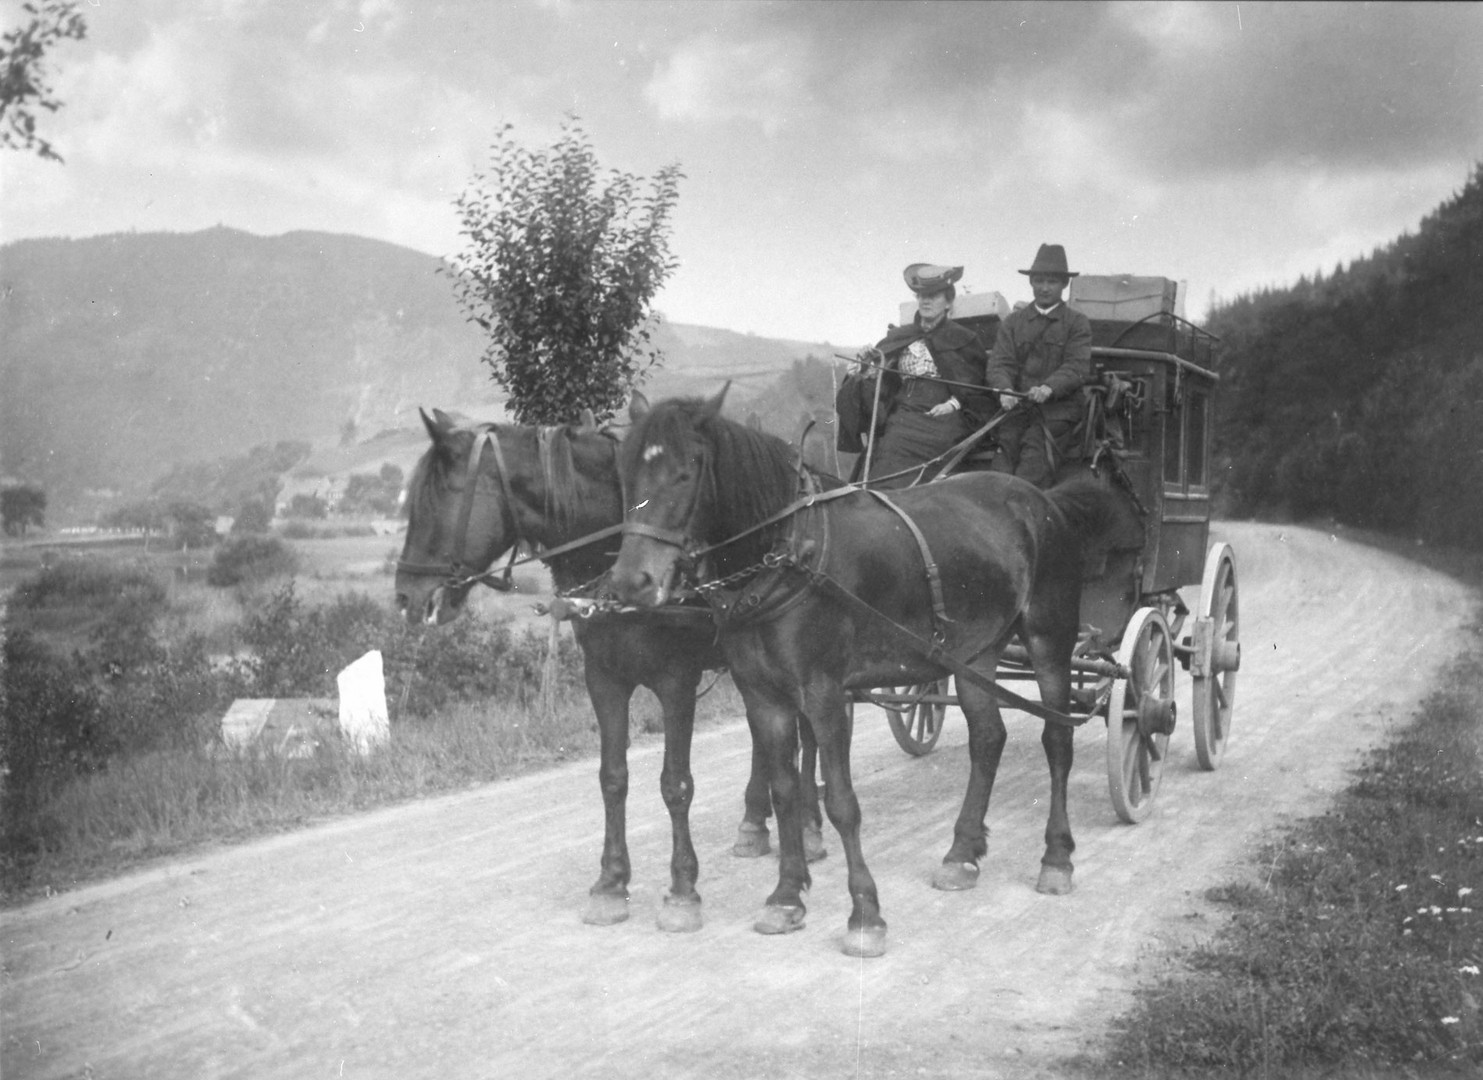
<point x="1148" y="428"/>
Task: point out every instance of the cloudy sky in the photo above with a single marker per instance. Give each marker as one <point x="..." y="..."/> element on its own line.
<point x="825" y="145"/>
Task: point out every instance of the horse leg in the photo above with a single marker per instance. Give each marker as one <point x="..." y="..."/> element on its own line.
<point x="813" y="820"/>
<point x="1051" y="656"/>
<point x="681" y="910"/>
<point x="607" y="900"/>
<point x="774" y="725"/>
<point x="829" y="715"/>
<point x="986" y="739"/>
<point x="751" y="835"/>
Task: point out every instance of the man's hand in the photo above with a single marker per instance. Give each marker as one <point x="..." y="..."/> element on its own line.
<point x="1040" y="394"/>
<point x="869" y="355"/>
<point x="1008" y="401"/>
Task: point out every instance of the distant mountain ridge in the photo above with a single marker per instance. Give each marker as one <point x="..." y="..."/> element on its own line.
<point x="123" y="355"/>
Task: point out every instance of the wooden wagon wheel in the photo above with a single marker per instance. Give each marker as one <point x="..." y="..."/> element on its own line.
<point x="1140" y="715"/>
<point x="1217" y="655"/>
<point x="917" y="724"/>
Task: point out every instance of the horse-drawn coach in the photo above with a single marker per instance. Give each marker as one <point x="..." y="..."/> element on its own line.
<point x="817" y="594"/>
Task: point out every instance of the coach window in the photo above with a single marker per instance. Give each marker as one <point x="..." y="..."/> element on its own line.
<point x="1173" y="473"/>
<point x="1197" y="426"/>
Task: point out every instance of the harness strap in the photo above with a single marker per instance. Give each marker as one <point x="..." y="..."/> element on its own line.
<point x="934" y="651"/>
<point x="934" y="578"/>
<point x="673" y="537"/>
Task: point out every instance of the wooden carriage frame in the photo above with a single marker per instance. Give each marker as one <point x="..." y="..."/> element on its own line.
<point x="1149" y="428"/>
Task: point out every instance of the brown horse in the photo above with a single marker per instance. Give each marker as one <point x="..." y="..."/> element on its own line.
<point x="820" y="598"/>
<point x="545" y="488"/>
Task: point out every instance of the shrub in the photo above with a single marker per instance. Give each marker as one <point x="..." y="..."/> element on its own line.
<point x="307" y="506"/>
<point x="95" y="585"/>
<point x="250" y="558"/>
<point x="52" y="724"/>
<point x="254" y="516"/>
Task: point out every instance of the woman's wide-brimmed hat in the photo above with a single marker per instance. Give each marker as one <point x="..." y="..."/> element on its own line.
<point x="1051" y="259"/>
<point x="926" y="278"/>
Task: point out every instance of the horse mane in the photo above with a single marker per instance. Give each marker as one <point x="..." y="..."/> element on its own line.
<point x="561" y="498"/>
<point x="752" y="473"/>
<point x="428" y="482"/>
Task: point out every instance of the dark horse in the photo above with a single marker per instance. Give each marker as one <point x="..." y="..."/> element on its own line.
<point x="713" y="495"/>
<point x="548" y="487"/>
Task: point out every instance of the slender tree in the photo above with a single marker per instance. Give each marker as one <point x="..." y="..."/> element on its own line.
<point x="562" y="264"/>
<point x="24" y="86"/>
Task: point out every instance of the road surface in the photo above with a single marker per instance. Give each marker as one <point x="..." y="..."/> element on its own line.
<point x="442" y="939"/>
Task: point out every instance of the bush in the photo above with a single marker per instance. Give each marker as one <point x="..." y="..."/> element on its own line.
<point x="52" y="725"/>
<point x="298" y="651"/>
<point x="254" y="516"/>
<point x="89" y="584"/>
<point x="307" y="506"/>
<point x="250" y="558"/>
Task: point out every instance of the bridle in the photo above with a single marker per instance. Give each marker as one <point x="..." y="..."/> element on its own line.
<point x="455" y="573"/>
<point x="683" y="537"/>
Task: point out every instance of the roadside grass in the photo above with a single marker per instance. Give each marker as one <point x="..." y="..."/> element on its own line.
<point x="172" y="802"/>
<point x="1357" y="950"/>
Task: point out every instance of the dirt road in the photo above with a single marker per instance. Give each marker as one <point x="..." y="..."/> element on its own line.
<point x="443" y="939"/>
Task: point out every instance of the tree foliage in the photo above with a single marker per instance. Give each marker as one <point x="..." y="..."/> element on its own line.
<point x="22" y="506"/>
<point x="1357" y="396"/>
<point x="24" y="87"/>
<point x="563" y="261"/>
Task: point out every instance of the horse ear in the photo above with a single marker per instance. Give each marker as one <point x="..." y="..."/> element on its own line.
<point x="587" y="423"/>
<point x="439" y="426"/>
<point x="713" y="406"/>
<point x="638" y="406"/>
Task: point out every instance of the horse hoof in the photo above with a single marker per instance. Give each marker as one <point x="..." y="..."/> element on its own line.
<point x="1054" y="880"/>
<point x="605" y="909"/>
<point x="813" y="844"/>
<point x="955" y="877"/>
<point x="779" y="920"/>
<point x="751" y="842"/>
<point x="867" y="942"/>
<point x="680" y="916"/>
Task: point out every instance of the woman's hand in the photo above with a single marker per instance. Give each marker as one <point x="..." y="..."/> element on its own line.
<point x="947" y="408"/>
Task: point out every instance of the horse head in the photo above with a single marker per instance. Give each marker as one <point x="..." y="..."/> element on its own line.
<point x="456" y="526"/>
<point x="666" y="465"/>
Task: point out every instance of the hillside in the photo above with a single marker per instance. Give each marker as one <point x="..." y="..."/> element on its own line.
<point x="1356" y="395"/>
<point x="123" y="356"/>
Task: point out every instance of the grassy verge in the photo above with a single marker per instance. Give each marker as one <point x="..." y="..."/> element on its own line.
<point x="1358" y="951"/>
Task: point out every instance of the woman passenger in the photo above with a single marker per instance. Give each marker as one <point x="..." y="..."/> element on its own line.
<point x="918" y="418"/>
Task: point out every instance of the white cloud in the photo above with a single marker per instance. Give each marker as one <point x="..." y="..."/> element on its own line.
<point x="706" y="81"/>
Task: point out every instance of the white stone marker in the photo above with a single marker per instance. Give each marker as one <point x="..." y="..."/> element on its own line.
<point x="363" y="719"/>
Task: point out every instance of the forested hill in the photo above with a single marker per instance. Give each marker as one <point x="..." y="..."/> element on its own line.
<point x="123" y="357"/>
<point x="1359" y="396"/>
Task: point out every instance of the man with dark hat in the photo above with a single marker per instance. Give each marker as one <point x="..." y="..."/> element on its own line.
<point x="1044" y="352"/>
<point x="922" y="416"/>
